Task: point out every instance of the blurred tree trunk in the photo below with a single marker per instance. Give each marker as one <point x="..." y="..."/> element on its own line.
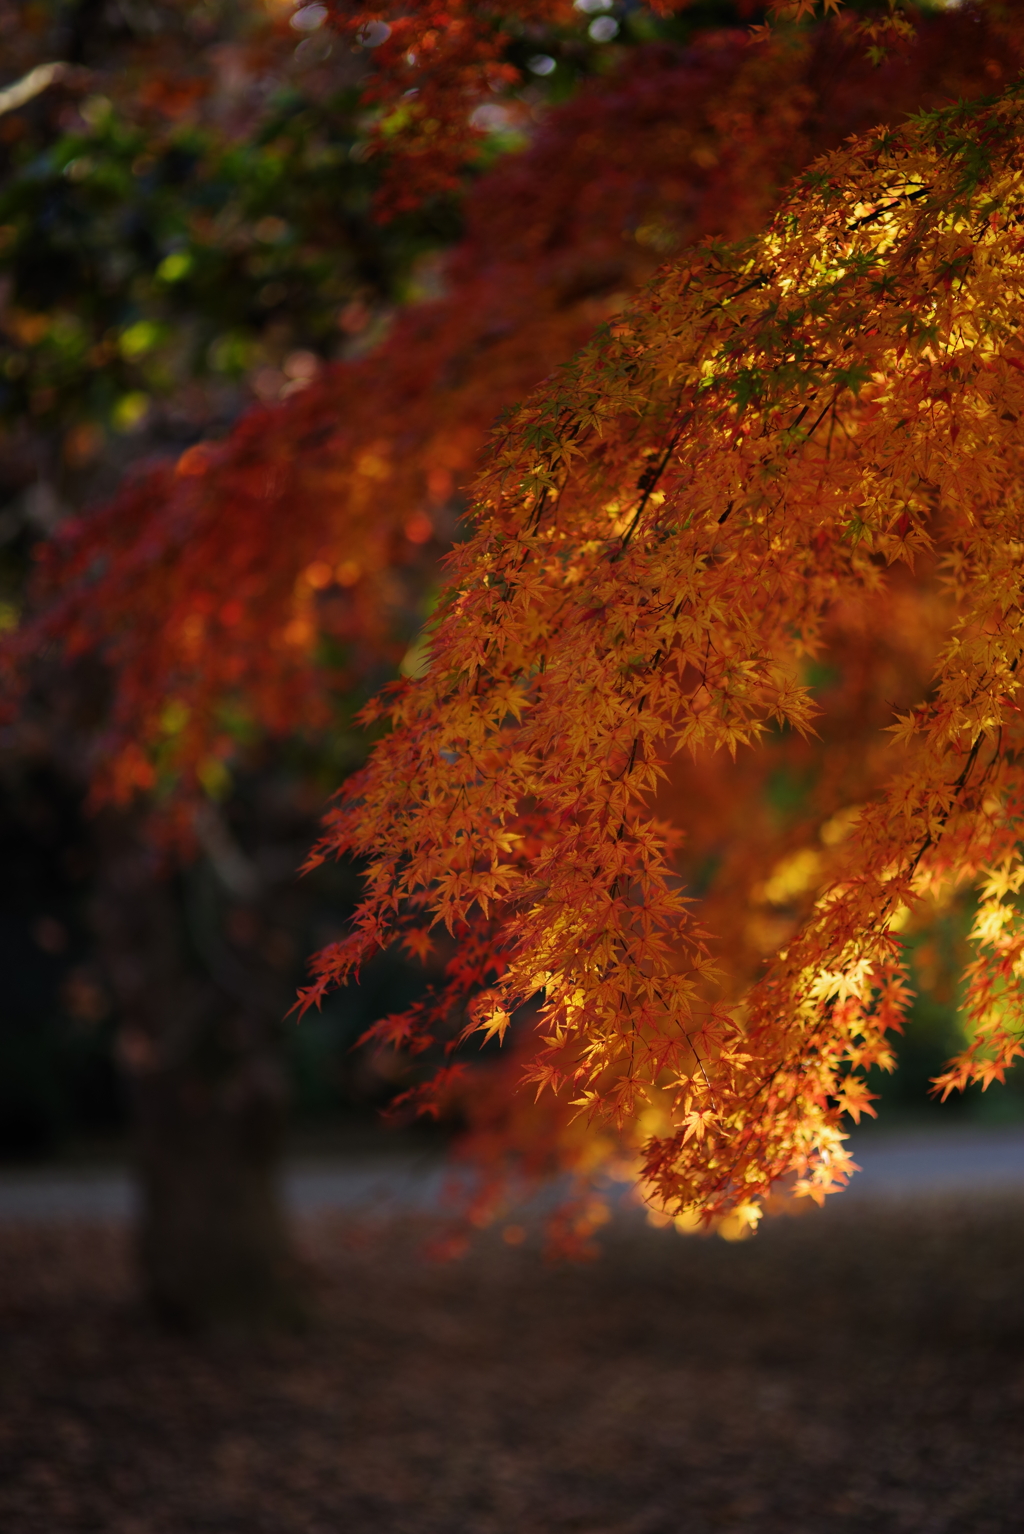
<point x="201" y="1050"/>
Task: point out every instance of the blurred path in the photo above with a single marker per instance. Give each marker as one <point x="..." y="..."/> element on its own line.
<point x="961" y="1159"/>
<point x="61" y="1193"/>
<point x="904" y="1163"/>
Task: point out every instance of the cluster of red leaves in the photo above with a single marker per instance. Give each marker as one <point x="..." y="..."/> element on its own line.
<point x="435" y="62"/>
<point x="209" y="636"/>
<point x="665" y="533"/>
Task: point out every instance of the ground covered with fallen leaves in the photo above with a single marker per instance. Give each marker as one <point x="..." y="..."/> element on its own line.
<point x="858" y="1369"/>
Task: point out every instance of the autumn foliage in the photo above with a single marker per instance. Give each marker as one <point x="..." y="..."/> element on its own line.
<point x="762" y="530"/>
<point x="664" y="534"/>
<point x="212" y="584"/>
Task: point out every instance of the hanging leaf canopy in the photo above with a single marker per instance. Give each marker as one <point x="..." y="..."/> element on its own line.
<point x="827" y="415"/>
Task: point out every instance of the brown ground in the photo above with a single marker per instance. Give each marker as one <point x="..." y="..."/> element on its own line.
<point x="854" y="1370"/>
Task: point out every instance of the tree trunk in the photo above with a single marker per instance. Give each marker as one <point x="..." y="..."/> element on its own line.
<point x="202" y="1053"/>
<point x="212" y="1241"/>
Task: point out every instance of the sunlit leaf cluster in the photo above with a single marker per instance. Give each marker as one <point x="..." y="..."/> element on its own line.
<point x="823" y="419"/>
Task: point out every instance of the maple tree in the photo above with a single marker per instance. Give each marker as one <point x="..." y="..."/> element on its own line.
<point x="728" y="494"/>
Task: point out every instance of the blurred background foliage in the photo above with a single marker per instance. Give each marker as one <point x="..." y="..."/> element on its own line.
<point x="186" y="227"/>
